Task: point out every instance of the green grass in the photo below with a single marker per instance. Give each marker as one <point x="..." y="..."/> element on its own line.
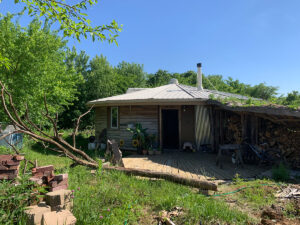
<point x="129" y="199"/>
<point x="114" y="198"/>
<point x="260" y="193"/>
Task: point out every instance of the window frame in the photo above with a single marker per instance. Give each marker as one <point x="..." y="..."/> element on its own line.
<point x="111" y="117"/>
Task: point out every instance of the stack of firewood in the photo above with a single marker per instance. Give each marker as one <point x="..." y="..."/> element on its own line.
<point x="9" y="166"/>
<point x="271" y="136"/>
<point x="234" y="126"/>
<point x="45" y="176"/>
<point x="284" y="139"/>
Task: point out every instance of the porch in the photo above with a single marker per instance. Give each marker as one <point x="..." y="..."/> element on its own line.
<point x="197" y="165"/>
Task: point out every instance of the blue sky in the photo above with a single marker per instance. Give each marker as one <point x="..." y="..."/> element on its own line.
<point x="254" y="41"/>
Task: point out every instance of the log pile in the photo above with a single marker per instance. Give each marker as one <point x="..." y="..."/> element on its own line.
<point x="9" y="166"/>
<point x="45" y="176"/>
<point x="272" y="136"/>
<point x="279" y="137"/>
<point x="234" y="133"/>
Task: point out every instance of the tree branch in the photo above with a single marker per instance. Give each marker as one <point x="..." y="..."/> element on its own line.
<point x="77" y="125"/>
<point x="60" y="144"/>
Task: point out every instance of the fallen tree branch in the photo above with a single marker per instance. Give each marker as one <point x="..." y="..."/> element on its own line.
<point x="205" y="185"/>
<point x="26" y="126"/>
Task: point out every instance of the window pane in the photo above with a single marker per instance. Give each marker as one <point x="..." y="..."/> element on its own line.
<point x="114" y="117"/>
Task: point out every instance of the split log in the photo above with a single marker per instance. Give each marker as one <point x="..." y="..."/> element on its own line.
<point x="113" y="150"/>
<point x="206" y="185"/>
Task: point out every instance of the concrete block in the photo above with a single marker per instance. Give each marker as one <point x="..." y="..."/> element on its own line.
<point x="66" y="206"/>
<point x="63" y="217"/>
<point x="59" y="197"/>
<point x="35" y="213"/>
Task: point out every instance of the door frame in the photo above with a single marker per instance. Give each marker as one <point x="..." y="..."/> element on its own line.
<point x="178" y="108"/>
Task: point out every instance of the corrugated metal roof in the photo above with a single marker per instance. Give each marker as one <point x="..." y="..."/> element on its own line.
<point x="169" y="92"/>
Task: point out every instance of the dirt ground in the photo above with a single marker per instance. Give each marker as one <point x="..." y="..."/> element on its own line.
<point x="282" y="211"/>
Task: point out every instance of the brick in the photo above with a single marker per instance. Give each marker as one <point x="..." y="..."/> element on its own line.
<point x="18" y="157"/>
<point x="37" y="180"/>
<point x="3" y="167"/>
<point x="35" y="213"/>
<point x="13" y="167"/>
<point x="40" y="175"/>
<point x="59" y="197"/>
<point x="55" y="183"/>
<point x="48" y="173"/>
<point x="8" y="176"/>
<point x="8" y="172"/>
<point x="61" y="177"/>
<point x="63" y="217"/>
<point x="49" y="178"/>
<point x="42" y="169"/>
<point x="11" y="163"/>
<point x="5" y="157"/>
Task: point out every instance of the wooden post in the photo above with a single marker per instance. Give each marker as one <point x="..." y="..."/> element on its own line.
<point x="212" y="127"/>
<point x="244" y="127"/>
<point x="179" y="127"/>
<point x="217" y="129"/>
<point x="221" y="114"/>
<point x="254" y="129"/>
<point x="160" y="128"/>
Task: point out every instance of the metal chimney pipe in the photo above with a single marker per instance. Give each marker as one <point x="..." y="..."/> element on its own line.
<point x="199" y="77"/>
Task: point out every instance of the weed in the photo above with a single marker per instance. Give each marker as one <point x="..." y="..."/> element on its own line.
<point x="14" y="198"/>
<point x="280" y="173"/>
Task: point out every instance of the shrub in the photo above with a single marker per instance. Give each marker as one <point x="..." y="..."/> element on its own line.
<point x="280" y="173"/>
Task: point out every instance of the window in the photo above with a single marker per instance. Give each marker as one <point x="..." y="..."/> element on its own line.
<point x="114" y="117"/>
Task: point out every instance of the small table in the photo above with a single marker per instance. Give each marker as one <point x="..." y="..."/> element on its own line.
<point x="230" y="147"/>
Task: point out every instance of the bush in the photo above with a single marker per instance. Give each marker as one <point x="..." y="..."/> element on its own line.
<point x="280" y="173"/>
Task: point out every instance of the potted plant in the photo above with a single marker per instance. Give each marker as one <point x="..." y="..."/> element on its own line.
<point x="139" y="137"/>
<point x="158" y="151"/>
<point x="145" y="151"/>
<point x="151" y="151"/>
<point x="150" y="139"/>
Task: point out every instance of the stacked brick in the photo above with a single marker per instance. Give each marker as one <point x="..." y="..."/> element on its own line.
<point x="45" y="176"/>
<point x="9" y="166"/>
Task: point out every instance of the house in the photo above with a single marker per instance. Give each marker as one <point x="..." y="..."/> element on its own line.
<point x="177" y="113"/>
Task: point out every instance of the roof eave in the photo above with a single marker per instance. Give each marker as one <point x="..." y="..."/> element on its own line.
<point x="147" y="102"/>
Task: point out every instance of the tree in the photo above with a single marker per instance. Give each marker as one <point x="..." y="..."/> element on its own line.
<point x="80" y="62"/>
<point x="101" y="79"/>
<point x="187" y="78"/>
<point x="73" y="21"/>
<point x="129" y="75"/>
<point x="292" y="99"/>
<point x="216" y="82"/>
<point x="161" y="77"/>
<point x="36" y="67"/>
<point x="262" y="91"/>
